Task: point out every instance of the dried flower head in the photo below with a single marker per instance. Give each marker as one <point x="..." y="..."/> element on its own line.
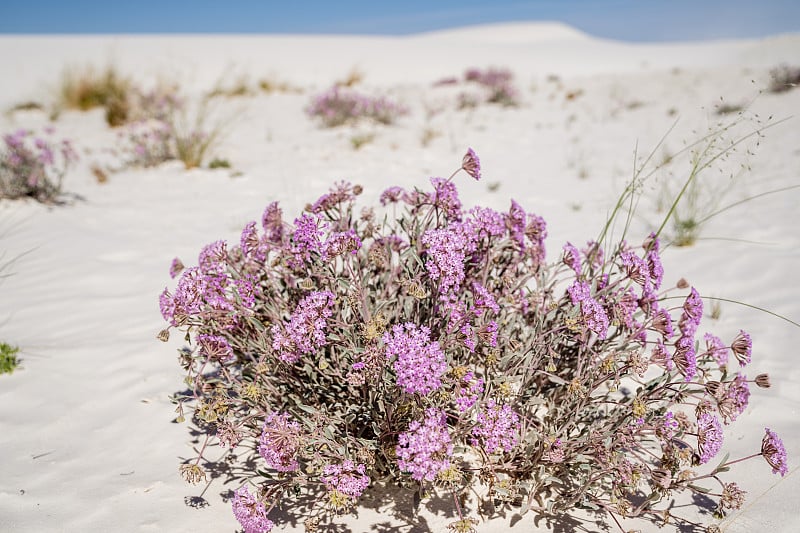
<point x="742" y="347"/>
<point x="193" y="473"/>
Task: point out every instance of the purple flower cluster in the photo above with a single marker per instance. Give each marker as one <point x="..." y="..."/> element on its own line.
<point x="483" y="300"/>
<point x="471" y="164"/>
<point x="667" y="427"/>
<point x="340" y="243"/>
<point x="445" y="198"/>
<point x="709" y="436"/>
<point x="446" y="250"/>
<point x="497" y="427"/>
<point x="467" y="391"/>
<point x="692" y="314"/>
<point x="279" y="442"/>
<point x="306" y="239"/>
<point x="347" y="478"/>
<point x="33" y="166"/>
<point x="734" y="399"/>
<point x="208" y="290"/>
<point x="498" y="82"/>
<point x="418" y="362"/>
<point x="250" y="512"/>
<point x="594" y="315"/>
<point x="424" y="449"/>
<point x="305" y="331"/>
<point x="148" y="143"/>
<point x="341" y="193"/>
<point x="214" y="347"/>
<point x="716" y="349"/>
<point x="685" y="357"/>
<point x="272" y="222"/>
<point x="252" y="245"/>
<point x="338" y="106"/>
<point x="572" y="258"/>
<point x="774" y="452"/>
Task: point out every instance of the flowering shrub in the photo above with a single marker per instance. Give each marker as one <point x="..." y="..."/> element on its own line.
<point x="442" y="350"/>
<point x="498" y="84"/>
<point x="168" y="133"/>
<point x="338" y="106"/>
<point x="32" y="166"/>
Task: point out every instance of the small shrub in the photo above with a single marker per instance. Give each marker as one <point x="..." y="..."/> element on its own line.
<point x="147" y="143"/>
<point x="337" y="106"/>
<point x="179" y="135"/>
<point x="726" y="108"/>
<point x="33" y="166"/>
<point x="439" y="349"/>
<point x="219" y="163"/>
<point x="270" y="86"/>
<point x="358" y="141"/>
<point x="239" y="88"/>
<point x="8" y="358"/>
<point x="498" y="84"/>
<point x="428" y="135"/>
<point x="783" y="78"/>
<point x="353" y="78"/>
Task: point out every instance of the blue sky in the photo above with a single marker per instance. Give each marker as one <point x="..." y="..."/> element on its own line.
<point x="632" y="20"/>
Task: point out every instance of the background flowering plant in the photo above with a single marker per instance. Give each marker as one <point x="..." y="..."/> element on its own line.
<point x="33" y="166"/>
<point x="435" y="346"/>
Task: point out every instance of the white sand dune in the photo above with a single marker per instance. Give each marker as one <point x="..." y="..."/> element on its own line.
<point x="86" y="439"/>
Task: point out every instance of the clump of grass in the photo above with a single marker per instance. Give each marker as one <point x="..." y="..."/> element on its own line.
<point x="239" y="88"/>
<point x="8" y="358"/>
<point x="358" y="141"/>
<point x="353" y="78"/>
<point x="784" y="78"/>
<point x="194" y="139"/>
<point x="698" y="198"/>
<point x="87" y="89"/>
<point x="219" y="163"/>
<point x="428" y="135"/>
<point x="270" y="86"/>
<point x="29" y="105"/>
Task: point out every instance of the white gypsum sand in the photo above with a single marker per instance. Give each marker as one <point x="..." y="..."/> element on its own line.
<point x="86" y="434"/>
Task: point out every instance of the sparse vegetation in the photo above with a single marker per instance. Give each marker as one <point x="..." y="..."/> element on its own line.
<point x="34" y="166"/>
<point x="358" y="141"/>
<point x="87" y="89"/>
<point x="784" y="78"/>
<point x="8" y="358"/>
<point x="219" y="163"/>
<point x="338" y="106"/>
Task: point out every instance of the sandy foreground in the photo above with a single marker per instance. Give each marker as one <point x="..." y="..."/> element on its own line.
<point x="87" y="441"/>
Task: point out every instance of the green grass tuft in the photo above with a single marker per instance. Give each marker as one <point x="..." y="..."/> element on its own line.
<point x="8" y="358"/>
